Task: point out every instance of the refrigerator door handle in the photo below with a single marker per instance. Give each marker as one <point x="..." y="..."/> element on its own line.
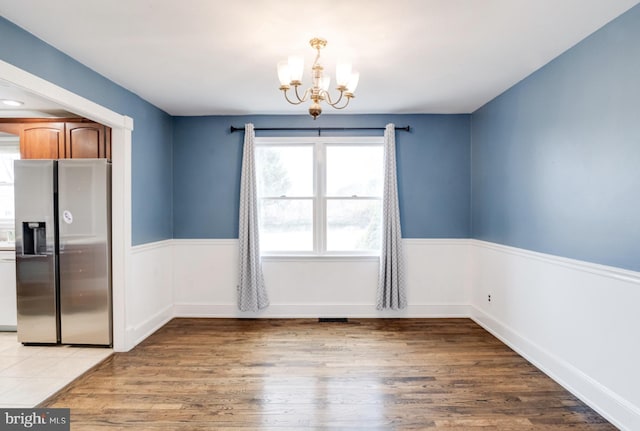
<point x="35" y="256"/>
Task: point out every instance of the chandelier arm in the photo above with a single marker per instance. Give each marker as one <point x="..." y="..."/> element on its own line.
<point x="343" y="106"/>
<point x="330" y="102"/>
<point x="304" y="95"/>
<point x="286" y="96"/>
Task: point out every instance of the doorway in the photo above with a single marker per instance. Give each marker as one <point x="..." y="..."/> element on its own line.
<point x="122" y="127"/>
<point x="9" y="151"/>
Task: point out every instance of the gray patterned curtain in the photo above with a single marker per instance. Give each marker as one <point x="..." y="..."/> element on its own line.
<point x="252" y="295"/>
<point x="391" y="289"/>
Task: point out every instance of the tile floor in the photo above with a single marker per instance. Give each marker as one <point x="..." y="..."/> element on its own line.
<point x="31" y="374"/>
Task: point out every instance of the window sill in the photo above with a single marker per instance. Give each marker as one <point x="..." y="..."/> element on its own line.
<point x="319" y="258"/>
<point x="7" y="246"/>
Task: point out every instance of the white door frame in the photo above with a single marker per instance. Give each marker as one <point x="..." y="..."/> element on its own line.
<point x="121" y="126"/>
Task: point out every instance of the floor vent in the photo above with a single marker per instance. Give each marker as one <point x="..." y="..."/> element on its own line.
<point x="333" y="320"/>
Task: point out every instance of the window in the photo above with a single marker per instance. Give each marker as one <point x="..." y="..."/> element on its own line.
<point x="320" y="196"/>
<point x="9" y="151"/>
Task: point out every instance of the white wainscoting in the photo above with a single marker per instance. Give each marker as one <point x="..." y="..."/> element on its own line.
<point x="576" y="321"/>
<point x="438" y="283"/>
<point x="150" y="299"/>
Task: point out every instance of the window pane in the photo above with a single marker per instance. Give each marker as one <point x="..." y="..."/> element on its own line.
<point x="286" y="225"/>
<point x="353" y="225"/>
<point x="284" y="170"/>
<point x="6" y="213"/>
<point x="9" y="151"/>
<point x="354" y="170"/>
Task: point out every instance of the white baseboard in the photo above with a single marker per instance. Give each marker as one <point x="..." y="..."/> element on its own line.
<point x="138" y="333"/>
<point x="322" y="310"/>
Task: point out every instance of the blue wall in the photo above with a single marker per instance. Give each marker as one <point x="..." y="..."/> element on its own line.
<point x="151" y="158"/>
<point x="556" y="159"/>
<point x="433" y="170"/>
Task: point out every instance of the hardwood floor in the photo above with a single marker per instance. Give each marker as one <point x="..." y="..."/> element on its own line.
<point x="385" y="374"/>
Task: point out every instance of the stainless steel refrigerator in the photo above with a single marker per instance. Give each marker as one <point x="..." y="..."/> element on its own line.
<point x="63" y="251"/>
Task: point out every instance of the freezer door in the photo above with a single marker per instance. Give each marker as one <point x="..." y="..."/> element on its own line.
<point x="84" y="191"/>
<point x="37" y="317"/>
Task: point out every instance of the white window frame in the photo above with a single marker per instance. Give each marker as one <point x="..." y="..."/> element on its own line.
<point x="320" y="144"/>
<point x="10" y="145"/>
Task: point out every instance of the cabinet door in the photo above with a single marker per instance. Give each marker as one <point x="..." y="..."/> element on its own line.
<point x="8" y="313"/>
<point x="86" y="141"/>
<point x="42" y="141"/>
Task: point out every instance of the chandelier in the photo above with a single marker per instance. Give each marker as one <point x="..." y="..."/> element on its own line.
<point x="290" y="75"/>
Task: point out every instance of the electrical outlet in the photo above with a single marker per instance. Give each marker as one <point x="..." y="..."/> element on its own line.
<point x="489" y="298"/>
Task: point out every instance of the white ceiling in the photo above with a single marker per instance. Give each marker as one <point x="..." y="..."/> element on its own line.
<point x="215" y="57"/>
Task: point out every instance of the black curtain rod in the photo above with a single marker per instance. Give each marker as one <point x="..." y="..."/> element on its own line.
<point x="319" y="129"/>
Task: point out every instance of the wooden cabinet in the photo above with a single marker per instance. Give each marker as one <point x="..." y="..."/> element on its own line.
<point x="42" y="141"/>
<point x="60" y="138"/>
<point x="11" y="128"/>
<point x="86" y="141"/>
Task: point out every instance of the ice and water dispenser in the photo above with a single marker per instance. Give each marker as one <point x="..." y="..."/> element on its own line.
<point x="34" y="238"/>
